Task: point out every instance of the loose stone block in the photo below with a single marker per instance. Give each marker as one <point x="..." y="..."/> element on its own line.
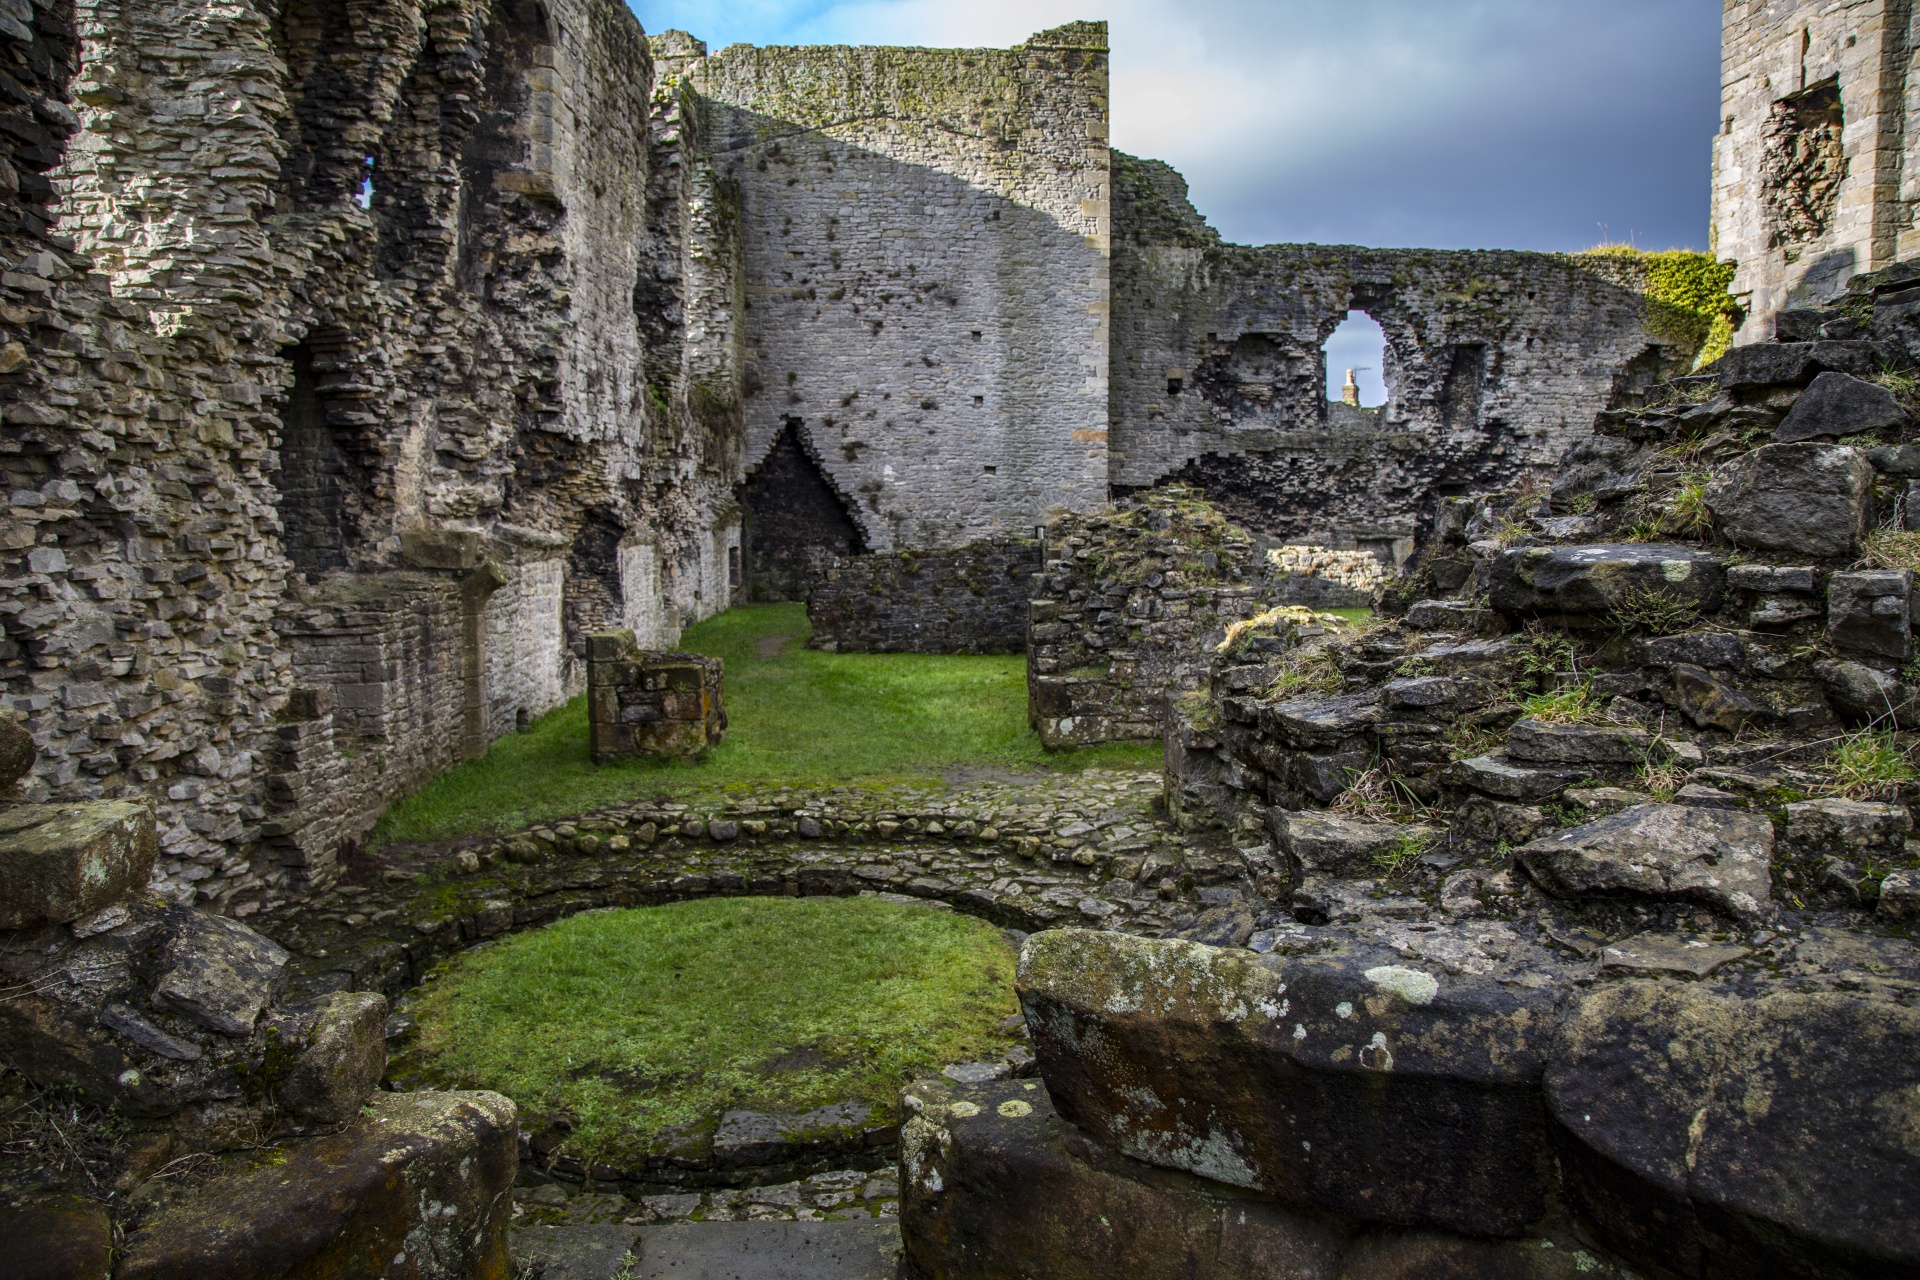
<point x="651" y="704"/>
<point x="1715" y="856"/>
<point x="1808" y="499"/>
<point x="1343" y="1081"/>
<point x="343" y="1054"/>
<point x="1577" y="743"/>
<point x="17" y="753"/>
<point x="1593" y="580"/>
<point x="1839" y="404"/>
<point x="1868" y="613"/>
<point x="1328" y="844"/>
<point x="1705" y="1134"/>
<point x="418" y="1186"/>
<point x="994" y="1183"/>
<point x="1853" y="829"/>
<point x="59" y="862"/>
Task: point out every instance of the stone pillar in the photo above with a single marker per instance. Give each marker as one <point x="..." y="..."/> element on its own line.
<point x="644" y="703"/>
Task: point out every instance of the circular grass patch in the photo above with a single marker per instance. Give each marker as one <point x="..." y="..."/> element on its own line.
<point x="635" y="1021"/>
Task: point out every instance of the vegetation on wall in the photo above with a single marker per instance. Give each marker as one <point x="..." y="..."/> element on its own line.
<point x="1687" y="298"/>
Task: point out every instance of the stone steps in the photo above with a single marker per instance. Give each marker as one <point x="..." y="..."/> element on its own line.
<point x="867" y="1250"/>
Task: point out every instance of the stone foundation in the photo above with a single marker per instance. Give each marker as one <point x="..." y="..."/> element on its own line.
<point x="645" y="704"/>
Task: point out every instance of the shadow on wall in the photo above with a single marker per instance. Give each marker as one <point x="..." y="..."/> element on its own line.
<point x="900" y="339"/>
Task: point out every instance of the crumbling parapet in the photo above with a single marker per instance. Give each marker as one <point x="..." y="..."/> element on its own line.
<point x="645" y="703"/>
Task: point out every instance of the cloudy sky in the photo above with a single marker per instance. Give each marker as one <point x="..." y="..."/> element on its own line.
<point x="1518" y="124"/>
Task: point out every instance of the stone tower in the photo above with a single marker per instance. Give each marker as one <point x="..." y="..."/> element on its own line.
<point x="1814" y="179"/>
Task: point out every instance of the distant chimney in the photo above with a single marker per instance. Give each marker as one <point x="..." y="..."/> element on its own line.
<point x="1350" y="393"/>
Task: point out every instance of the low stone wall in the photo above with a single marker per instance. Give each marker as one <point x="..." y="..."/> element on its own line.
<point x="641" y="703"/>
<point x="970" y="599"/>
<point x="1124" y="615"/>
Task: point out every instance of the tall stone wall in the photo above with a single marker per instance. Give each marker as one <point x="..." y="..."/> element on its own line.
<point x="1495" y="362"/>
<point x="342" y="282"/>
<point x="925" y="239"/>
<point x="1815" y="172"/>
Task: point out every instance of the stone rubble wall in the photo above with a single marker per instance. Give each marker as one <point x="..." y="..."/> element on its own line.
<point x="1495" y="363"/>
<point x="1127" y="611"/>
<point x="646" y="704"/>
<point x="972" y="599"/>
<point x="897" y="207"/>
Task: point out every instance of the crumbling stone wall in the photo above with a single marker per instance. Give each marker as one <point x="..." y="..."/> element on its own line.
<point x="970" y="599"/>
<point x="1495" y="362"/>
<point x="897" y="207"/>
<point x="1126" y="612"/>
<point x="1815" y="172"/>
<point x="340" y="277"/>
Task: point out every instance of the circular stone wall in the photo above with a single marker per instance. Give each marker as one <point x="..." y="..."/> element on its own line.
<point x="728" y="1031"/>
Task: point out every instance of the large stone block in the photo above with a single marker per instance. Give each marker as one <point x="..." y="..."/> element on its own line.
<point x="17" y="754"/>
<point x="1715" y="856"/>
<point x="59" y="862"/>
<point x="1773" y="364"/>
<point x="342" y="1055"/>
<point x="1330" y="845"/>
<point x="1705" y="1134"/>
<point x="1808" y="499"/>
<point x="994" y="1185"/>
<point x="1839" y="404"/>
<point x="217" y="972"/>
<point x="417" y="1188"/>
<point x="1870" y="613"/>
<point x="1344" y="1081"/>
<point x="1593" y="580"/>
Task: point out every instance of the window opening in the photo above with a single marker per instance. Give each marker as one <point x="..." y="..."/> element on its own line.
<point x="1357" y="349"/>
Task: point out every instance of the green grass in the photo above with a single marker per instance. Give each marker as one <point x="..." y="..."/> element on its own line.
<point x="1870" y="764"/>
<point x="796" y="716"/>
<point x="633" y="1021"/>
<point x="1572" y="704"/>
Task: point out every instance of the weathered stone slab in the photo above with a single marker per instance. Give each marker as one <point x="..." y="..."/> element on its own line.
<point x="59" y="862"/>
<point x="1773" y="364"/>
<point x="1848" y="828"/>
<point x="1344" y="1080"/>
<point x="217" y="972"/>
<point x="1716" y="856"/>
<point x="1707" y="1134"/>
<point x="1310" y="723"/>
<point x="995" y="1184"/>
<point x="58" y="1238"/>
<point x="1592" y="580"/>
<point x="418" y="1187"/>
<point x="1658" y="953"/>
<point x="1534" y="740"/>
<point x="1808" y="499"/>
<point x="1332" y="845"/>
<point x="850" y="1250"/>
<point x="1839" y="404"/>
<point x="746" y="1139"/>
<point x="1511" y="780"/>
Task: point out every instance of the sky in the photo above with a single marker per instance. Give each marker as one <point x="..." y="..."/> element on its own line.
<point x="1446" y="124"/>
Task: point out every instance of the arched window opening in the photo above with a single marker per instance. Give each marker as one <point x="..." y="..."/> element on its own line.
<point x="1357" y="348"/>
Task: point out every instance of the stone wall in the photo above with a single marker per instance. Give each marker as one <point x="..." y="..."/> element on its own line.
<point x="1127" y="611"/>
<point x="972" y="599"/>
<point x="898" y="207"/>
<point x="340" y="277"/>
<point x="1495" y="362"/>
<point x="1814" y="171"/>
<point x="797" y="526"/>
<point x="1325" y="579"/>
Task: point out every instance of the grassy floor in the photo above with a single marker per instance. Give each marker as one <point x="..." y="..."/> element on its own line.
<point x="635" y="1020"/>
<point x="796" y="716"/>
